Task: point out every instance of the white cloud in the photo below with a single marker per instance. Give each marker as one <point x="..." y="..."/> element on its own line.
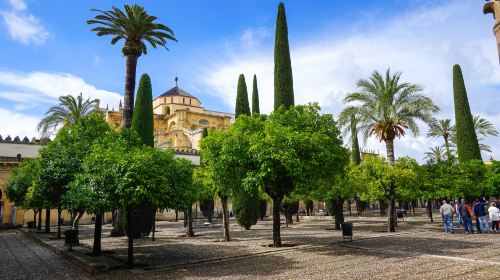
<point x="30" y="86"/>
<point x="40" y="89"/>
<point x="424" y="44"/>
<point x="18" y="124"/>
<point x="23" y="26"/>
<point x="18" y="5"/>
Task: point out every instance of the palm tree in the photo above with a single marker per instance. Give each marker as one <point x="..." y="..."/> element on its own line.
<point x="482" y="127"/>
<point x="442" y="128"/>
<point x="436" y="154"/>
<point x="136" y="27"/>
<point x="386" y="108"/>
<point x="69" y="111"/>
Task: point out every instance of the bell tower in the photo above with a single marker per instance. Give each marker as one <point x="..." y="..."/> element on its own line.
<point x="493" y="7"/>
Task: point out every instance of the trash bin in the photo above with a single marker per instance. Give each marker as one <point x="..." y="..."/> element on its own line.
<point x="346" y="231"/>
<point x="401" y="214"/>
<point x="71" y="238"/>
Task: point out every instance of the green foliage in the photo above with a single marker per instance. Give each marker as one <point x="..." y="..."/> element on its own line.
<point x="23" y="177"/>
<point x="382" y="178"/>
<point x="242" y="106"/>
<point x="135" y="26"/>
<point x="246" y="207"/>
<point x="142" y="119"/>
<point x="492" y="179"/>
<point x="255" y="97"/>
<point x="296" y="150"/>
<point x="61" y="160"/>
<point x="283" y="79"/>
<point x="467" y="143"/>
<point x="226" y="156"/>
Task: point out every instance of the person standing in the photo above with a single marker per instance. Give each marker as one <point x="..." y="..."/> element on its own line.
<point x="481" y="216"/>
<point x="466" y="218"/>
<point x="457" y="212"/>
<point x="494" y="213"/>
<point x="447" y="211"/>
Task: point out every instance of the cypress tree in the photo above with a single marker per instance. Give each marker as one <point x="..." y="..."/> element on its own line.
<point x="242" y="106"/>
<point x="246" y="208"/>
<point x="255" y="97"/>
<point x="467" y="144"/>
<point x="142" y="119"/>
<point x="283" y="80"/>
<point x="356" y="157"/>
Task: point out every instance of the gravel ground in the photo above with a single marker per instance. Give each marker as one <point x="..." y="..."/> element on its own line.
<point x="417" y="251"/>
<point x="22" y="258"/>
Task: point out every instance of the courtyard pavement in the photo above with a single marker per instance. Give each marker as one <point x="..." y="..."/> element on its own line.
<point x="22" y="258"/>
<point x="418" y="250"/>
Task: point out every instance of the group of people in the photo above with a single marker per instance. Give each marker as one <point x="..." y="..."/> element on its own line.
<point x="466" y="212"/>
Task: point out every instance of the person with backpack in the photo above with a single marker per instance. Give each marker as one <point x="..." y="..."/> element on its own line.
<point x="466" y="218"/>
<point x="481" y="216"/>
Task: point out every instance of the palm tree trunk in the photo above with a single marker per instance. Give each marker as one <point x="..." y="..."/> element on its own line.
<point x="389" y="145"/>
<point x="447" y="146"/>
<point x="128" y="97"/>
<point x="225" y="218"/>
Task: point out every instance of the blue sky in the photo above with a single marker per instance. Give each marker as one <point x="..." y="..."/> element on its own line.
<point x="47" y="50"/>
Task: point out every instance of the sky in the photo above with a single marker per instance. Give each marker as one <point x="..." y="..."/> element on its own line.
<point x="47" y="50"/>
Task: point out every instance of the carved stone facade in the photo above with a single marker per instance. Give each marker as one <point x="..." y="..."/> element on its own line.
<point x="179" y="119"/>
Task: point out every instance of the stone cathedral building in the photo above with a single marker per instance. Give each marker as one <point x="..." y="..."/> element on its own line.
<point x="179" y="119"/>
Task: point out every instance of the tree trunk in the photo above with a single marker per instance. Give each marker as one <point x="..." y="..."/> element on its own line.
<point x="117" y="227"/>
<point x="383" y="207"/>
<point x="429" y="210"/>
<point x="96" y="249"/>
<point x="76" y="221"/>
<point x="59" y="222"/>
<point x="392" y="211"/>
<point x="349" y="203"/>
<point x="128" y="97"/>
<point x="154" y="227"/>
<point x="277" y="221"/>
<point x="34" y="218"/>
<point x="185" y="218"/>
<point x="225" y="218"/>
<point x="190" y="232"/>
<point x="176" y="215"/>
<point x="389" y="145"/>
<point x="40" y="219"/>
<point x="358" y="207"/>
<point x="297" y="217"/>
<point x="339" y="212"/>
<point x="47" y="220"/>
<point x="130" y="223"/>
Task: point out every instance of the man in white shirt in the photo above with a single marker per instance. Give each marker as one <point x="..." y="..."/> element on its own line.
<point x="447" y="211"/>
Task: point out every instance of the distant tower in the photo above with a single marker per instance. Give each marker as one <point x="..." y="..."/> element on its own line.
<point x="493" y="7"/>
